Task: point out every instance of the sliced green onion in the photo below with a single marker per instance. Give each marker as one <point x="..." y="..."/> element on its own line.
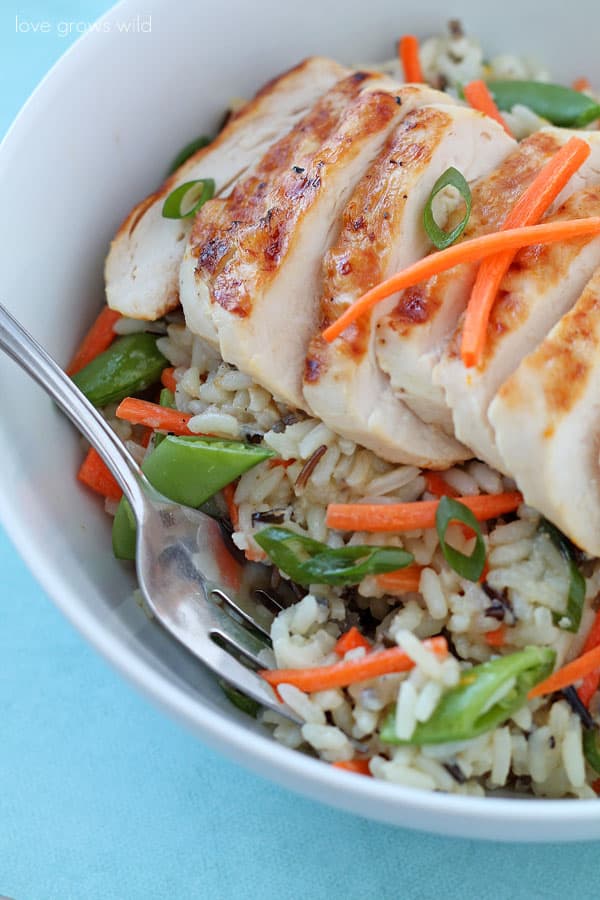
<point x="187" y="151"/>
<point x="469" y="567"/>
<point x="440" y="238"/>
<point x="576" y="598"/>
<point x="307" y="561"/>
<point x="187" y="199"/>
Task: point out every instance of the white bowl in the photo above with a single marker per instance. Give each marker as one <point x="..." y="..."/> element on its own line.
<point x="95" y="138"/>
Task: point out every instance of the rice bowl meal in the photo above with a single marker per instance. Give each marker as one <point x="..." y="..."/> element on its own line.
<point x="360" y="326"/>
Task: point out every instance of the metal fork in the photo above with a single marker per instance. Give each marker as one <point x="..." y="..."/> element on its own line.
<point x="185" y="567"/>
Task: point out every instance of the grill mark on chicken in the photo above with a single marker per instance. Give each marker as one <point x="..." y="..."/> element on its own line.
<point x="288" y="174"/>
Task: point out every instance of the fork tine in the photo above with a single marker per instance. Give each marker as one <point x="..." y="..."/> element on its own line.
<point x="245" y="616"/>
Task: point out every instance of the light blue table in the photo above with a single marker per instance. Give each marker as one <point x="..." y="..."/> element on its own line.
<point x="102" y="798"/>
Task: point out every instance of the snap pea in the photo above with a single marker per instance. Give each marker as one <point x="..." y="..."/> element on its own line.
<point x="470" y="708"/>
<point x="246" y="704"/>
<point x="187" y="470"/>
<point x="591" y="749"/>
<point x="559" y="104"/>
<point x="576" y="598"/>
<point x="307" y="561"/>
<point x="130" y="365"/>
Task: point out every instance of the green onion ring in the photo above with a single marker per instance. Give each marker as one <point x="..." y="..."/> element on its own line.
<point x="187" y="199"/>
<point x="187" y="151"/>
<point x="440" y="238"/>
<point x="469" y="567"/>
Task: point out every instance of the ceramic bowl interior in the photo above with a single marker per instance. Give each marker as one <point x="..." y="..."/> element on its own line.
<point x="93" y="140"/>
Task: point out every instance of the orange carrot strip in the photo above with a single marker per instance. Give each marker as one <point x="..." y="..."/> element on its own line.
<point x="359" y="766"/>
<point x="413" y="516"/>
<point x="402" y="581"/>
<point x="485" y="573"/>
<point x="96" y="341"/>
<point x="96" y="475"/>
<point x="159" y="418"/>
<point x="473" y="250"/>
<point x="478" y="96"/>
<point x="228" y="495"/>
<point x="581" y="84"/>
<point x="591" y="681"/>
<point x="528" y="210"/>
<point x="350" y="641"/>
<point x="284" y="463"/>
<point x="573" y="671"/>
<point x="596" y="785"/>
<point x="167" y="379"/>
<point x="342" y="674"/>
<point x="408" y="51"/>
<point x="436" y="485"/>
<point x="497" y="637"/>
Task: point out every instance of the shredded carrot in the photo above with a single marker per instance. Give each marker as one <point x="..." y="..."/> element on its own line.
<point x="96" y="475"/>
<point x="350" y="641"/>
<point x="254" y="555"/>
<point x="228" y="495"/>
<point x="408" y="52"/>
<point x="573" y="671"/>
<point x="497" y="637"/>
<point x="581" y="84"/>
<point x="478" y="96"/>
<point x="97" y="340"/>
<point x="413" y="516"/>
<point x="159" y="418"/>
<point x="596" y="785"/>
<point x="591" y="681"/>
<point x="359" y="766"/>
<point x="485" y="573"/>
<point x="341" y="674"/>
<point x="402" y="581"/>
<point x="472" y="250"/>
<point x="284" y="463"/>
<point x="167" y="379"/>
<point x="437" y="485"/>
<point x="527" y="211"/>
<point x="146" y="437"/>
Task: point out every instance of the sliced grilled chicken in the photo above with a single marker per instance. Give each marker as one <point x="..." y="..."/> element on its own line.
<point x="259" y="253"/>
<point x="142" y="267"/>
<point x="545" y="418"/>
<point x="410" y="339"/>
<point x="540" y="287"/>
<point x="382" y="232"/>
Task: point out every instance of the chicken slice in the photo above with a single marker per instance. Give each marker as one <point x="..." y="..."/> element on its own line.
<point x="545" y="418"/>
<point x="541" y="285"/>
<point x="259" y="253"/>
<point x="142" y="267"/>
<point x="409" y="340"/>
<point x="382" y="231"/>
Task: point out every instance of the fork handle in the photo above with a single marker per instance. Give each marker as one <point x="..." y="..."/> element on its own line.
<point x="27" y="353"/>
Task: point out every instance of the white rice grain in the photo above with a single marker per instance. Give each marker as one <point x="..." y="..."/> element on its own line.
<point x="319" y="435"/>
<point x="433" y="595"/>
<point x="298" y="701"/>
<point x="406" y="720"/>
<point x="427" y="701"/>
<point x="502" y="748"/>
<point x="572" y="754"/>
<point x="215" y="423"/>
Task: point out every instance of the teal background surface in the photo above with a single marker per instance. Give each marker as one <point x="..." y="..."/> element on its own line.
<point x="103" y="798"/>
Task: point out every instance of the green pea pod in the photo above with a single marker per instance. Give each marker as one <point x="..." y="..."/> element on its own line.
<point x="576" y="598"/>
<point x="187" y="470"/>
<point x="591" y="750"/>
<point x="130" y="365"/>
<point x="246" y="704"/>
<point x="307" y="561"/>
<point x="470" y="708"/>
<point x="560" y="105"/>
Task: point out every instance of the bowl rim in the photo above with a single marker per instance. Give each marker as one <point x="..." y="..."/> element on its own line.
<point x="259" y="753"/>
